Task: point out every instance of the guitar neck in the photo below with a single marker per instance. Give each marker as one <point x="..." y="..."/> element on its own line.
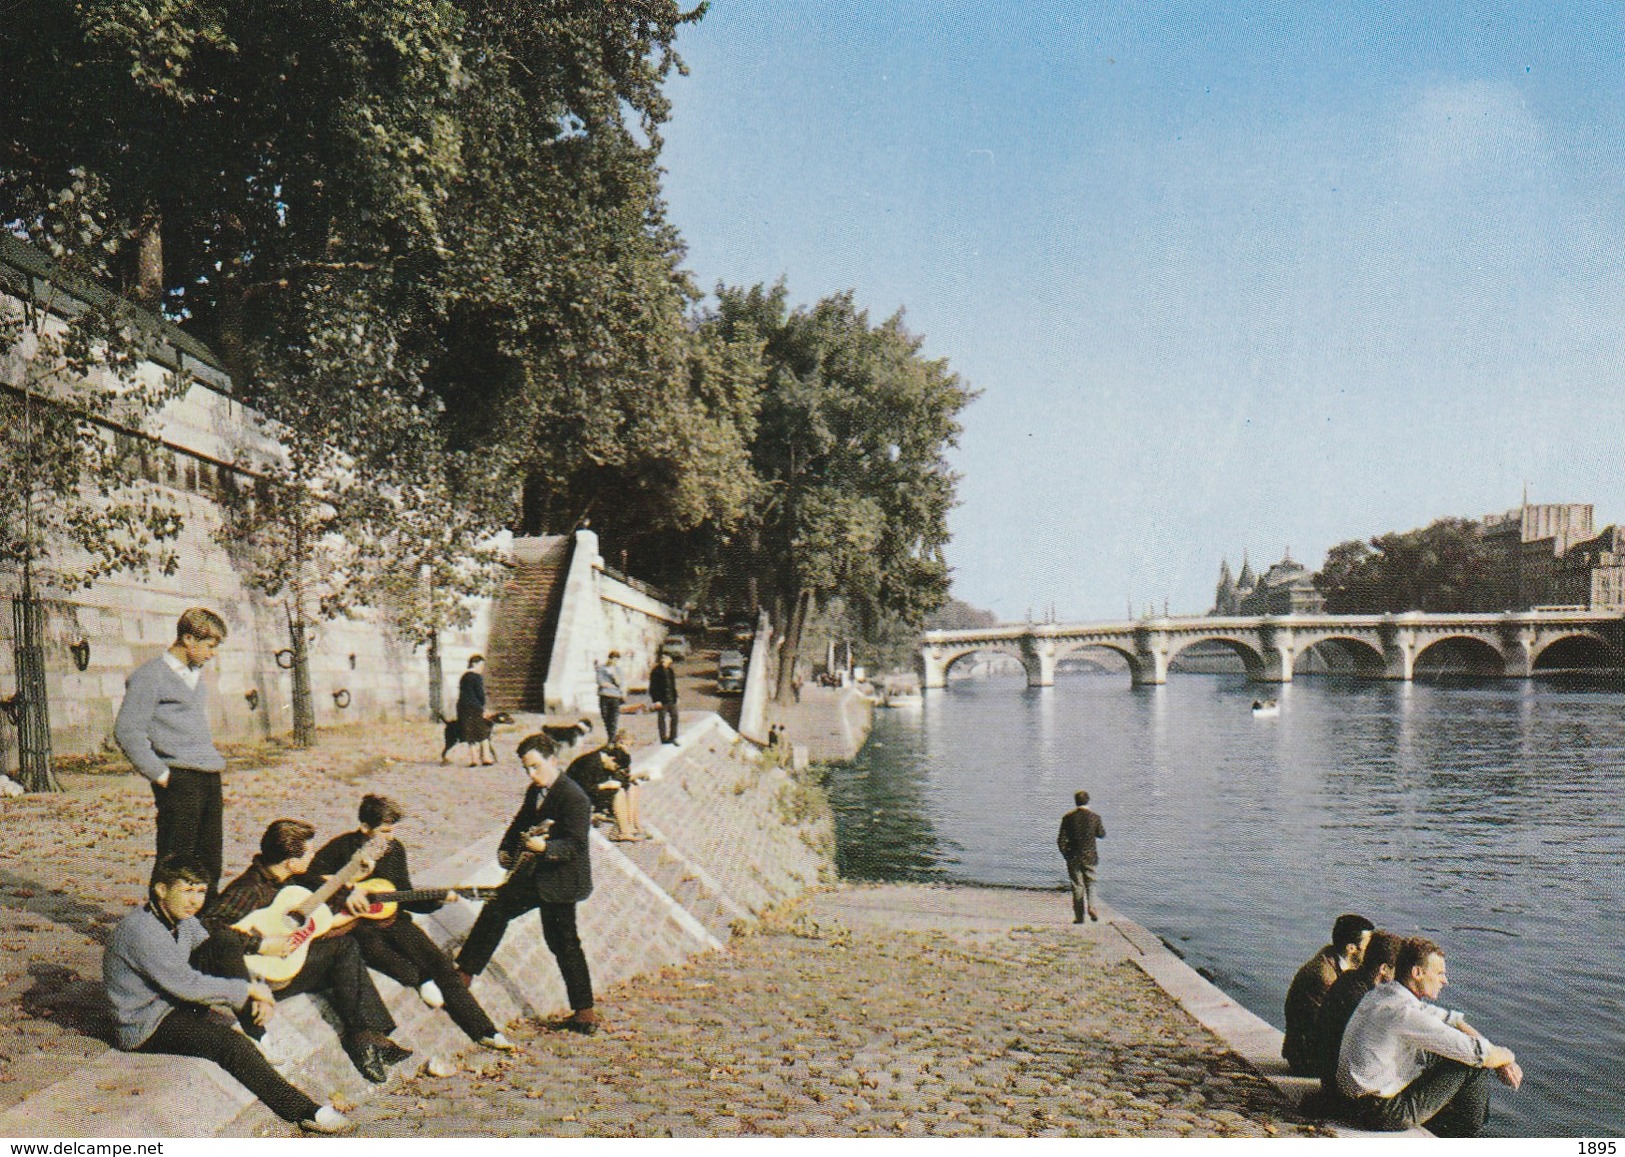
<point x="416" y="894"/>
<point x="343" y="878"/>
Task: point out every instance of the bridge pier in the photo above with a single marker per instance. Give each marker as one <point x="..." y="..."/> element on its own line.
<point x="933" y="669"/>
<point x="1149" y="666"/>
<point x="1038" y="656"/>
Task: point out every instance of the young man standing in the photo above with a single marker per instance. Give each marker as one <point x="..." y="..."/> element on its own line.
<point x="551" y="872"/>
<point x="663" y="691"/>
<point x="1405" y="1061"/>
<point x="163" y="728"/>
<point x="400" y="949"/>
<point x="610" y="695"/>
<point x="333" y="965"/>
<point x="159" y="999"/>
<point x="1080" y="828"/>
<point x="1300" y="1047"/>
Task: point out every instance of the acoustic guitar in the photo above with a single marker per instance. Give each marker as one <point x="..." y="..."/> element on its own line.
<point x="386" y="899"/>
<point x="302" y="915"/>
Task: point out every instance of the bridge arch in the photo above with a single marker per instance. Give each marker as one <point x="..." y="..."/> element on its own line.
<point x="1250" y="656"/>
<point x="1575" y="649"/>
<point x="1363" y="656"/>
<point x="952" y="657"/>
<point x="1466" y="652"/>
<point x="1072" y="649"/>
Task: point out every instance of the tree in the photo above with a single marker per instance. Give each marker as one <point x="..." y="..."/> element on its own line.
<point x="77" y="392"/>
<point x="850" y="447"/>
<point x="1443" y="567"/>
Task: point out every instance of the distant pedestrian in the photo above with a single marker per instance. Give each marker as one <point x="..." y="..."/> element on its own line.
<point x="472" y="721"/>
<point x="663" y="690"/>
<point x="163" y="728"/>
<point x="1350" y="934"/>
<point x="1080" y="828"/>
<point x="610" y="695"/>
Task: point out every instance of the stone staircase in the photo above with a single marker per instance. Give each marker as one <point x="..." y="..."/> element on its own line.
<point x="524" y="625"/>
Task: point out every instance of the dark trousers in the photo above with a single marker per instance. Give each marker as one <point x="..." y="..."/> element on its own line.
<point x="404" y="953"/>
<point x="333" y="968"/>
<point x="189" y="821"/>
<point x="1450" y="1098"/>
<point x="191" y="1032"/>
<point x="666" y="722"/>
<point x="610" y="709"/>
<point x="1083" y="887"/>
<point x="558" y="930"/>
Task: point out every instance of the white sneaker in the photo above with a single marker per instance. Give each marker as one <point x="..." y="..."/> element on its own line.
<point x="431" y="994"/>
<point x="327" y="1120"/>
<point x="498" y="1042"/>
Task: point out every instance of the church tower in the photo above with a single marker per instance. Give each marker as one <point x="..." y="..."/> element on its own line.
<point x="1224" y="599"/>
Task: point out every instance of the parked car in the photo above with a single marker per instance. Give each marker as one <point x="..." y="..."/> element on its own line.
<point x="731" y="673"/>
<point x="742" y="630"/>
<point x="677" y="646"/>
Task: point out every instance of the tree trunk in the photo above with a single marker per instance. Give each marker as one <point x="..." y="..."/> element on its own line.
<point x="149" y="261"/>
<point x="304" y="708"/>
<point x="437" y="679"/>
<point x="34" y="765"/>
<point x="792" y="645"/>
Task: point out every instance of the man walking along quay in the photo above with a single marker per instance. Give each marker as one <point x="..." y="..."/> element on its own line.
<point x="1080" y="828"/>
<point x="1405" y="1061"/>
<point x="163" y="728"/>
<point x="663" y="693"/>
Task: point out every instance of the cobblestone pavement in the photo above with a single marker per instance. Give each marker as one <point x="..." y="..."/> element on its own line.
<point x="813" y="1025"/>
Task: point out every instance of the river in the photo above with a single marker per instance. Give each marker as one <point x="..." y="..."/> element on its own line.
<point x="1485" y="815"/>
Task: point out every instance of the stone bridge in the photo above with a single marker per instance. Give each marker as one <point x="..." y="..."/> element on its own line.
<point x="1376" y="646"/>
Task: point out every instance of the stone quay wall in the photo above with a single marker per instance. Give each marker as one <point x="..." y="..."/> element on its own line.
<point x="732" y="834"/>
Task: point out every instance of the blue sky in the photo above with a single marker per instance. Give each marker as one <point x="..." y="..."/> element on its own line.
<point x="1230" y="277"/>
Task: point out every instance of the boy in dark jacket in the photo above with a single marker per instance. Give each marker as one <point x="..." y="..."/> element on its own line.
<point x="551" y="872"/>
<point x="400" y="949"/>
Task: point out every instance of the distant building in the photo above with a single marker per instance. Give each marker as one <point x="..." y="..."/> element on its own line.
<point x="1287" y="588"/>
<point x="1528" y="550"/>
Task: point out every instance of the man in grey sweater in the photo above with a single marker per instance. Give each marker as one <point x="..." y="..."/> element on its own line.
<point x="158" y="997"/>
<point x="163" y="728"/>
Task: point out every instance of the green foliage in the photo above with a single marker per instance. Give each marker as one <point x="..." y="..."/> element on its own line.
<point x="1442" y="567"/>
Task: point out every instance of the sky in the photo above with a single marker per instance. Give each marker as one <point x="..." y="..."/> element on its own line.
<point x="1230" y="278"/>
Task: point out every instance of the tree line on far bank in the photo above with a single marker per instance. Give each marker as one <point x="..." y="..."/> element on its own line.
<point x="1443" y="567"/>
<point x="427" y="240"/>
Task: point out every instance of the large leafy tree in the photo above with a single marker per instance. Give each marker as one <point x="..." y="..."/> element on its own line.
<point x="850" y="444"/>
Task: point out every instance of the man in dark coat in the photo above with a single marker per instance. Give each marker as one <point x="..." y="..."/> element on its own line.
<point x="663" y="692"/>
<point x="1080" y="828"/>
<point x="551" y="872"/>
<point x="1300" y="1046"/>
<point x="1376" y="967"/>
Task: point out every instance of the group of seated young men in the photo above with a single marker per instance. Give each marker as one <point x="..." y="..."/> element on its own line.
<point x="1360" y="1016"/>
<point x="173" y="958"/>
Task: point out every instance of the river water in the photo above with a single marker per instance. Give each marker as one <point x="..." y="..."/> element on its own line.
<point x="1485" y="815"/>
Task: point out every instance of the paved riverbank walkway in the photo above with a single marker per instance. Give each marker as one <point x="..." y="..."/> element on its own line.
<point x="869" y="1011"/>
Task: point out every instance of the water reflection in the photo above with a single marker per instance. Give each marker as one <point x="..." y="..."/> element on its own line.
<point x="1484" y="814"/>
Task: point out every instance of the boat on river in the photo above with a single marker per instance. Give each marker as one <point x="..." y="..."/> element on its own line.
<point x="1265" y="708"/>
<point x="900" y="691"/>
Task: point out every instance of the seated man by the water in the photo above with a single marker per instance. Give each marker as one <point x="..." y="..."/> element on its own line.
<point x="1376" y="967"/>
<point x="1309" y="987"/>
<point x="1405" y="1061"/>
<point x="160" y="1001"/>
<point x="606" y="776"/>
